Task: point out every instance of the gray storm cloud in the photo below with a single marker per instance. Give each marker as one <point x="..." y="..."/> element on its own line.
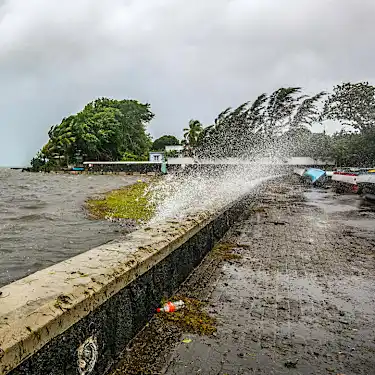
<point x="189" y="59"/>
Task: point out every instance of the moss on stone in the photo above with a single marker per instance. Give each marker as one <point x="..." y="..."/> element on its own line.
<point x="131" y="202"/>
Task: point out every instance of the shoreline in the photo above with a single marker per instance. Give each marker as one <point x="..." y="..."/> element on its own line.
<point x="44" y="222"/>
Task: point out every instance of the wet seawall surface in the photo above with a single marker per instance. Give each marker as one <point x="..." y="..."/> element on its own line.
<point x="76" y="317"/>
<point x="42" y="221"/>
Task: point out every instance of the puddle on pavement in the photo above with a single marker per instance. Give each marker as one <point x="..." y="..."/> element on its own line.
<point x="329" y="202"/>
<point x="305" y="333"/>
<point x="307" y="288"/>
<point x="363" y="224"/>
<point x="353" y="294"/>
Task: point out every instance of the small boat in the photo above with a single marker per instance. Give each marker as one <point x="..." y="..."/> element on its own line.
<point x="366" y="184"/>
<point x="345" y="177"/>
<point x="366" y="178"/>
<point x="314" y="175"/>
<point x="345" y="181"/>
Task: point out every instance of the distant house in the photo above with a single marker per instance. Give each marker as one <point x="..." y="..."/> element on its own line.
<point x="156" y="157"/>
<point x="177" y="149"/>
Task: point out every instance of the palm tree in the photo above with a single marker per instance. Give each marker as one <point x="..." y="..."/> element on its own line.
<point x="191" y="136"/>
<point x="192" y="132"/>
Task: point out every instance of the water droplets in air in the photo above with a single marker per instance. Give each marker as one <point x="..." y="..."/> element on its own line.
<point x="206" y="188"/>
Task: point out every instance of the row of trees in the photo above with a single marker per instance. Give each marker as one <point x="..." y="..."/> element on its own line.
<point x="279" y="124"/>
<point x="105" y="129"/>
<point x="276" y="124"/>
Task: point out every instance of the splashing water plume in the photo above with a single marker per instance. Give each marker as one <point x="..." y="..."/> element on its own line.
<point x="254" y="137"/>
<point x="206" y="188"/>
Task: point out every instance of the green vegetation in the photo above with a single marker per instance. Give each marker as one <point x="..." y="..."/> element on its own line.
<point x="280" y="123"/>
<point x="191" y="137"/>
<point x="127" y="156"/>
<point x="353" y="105"/>
<point x="106" y="129"/>
<point x="191" y="133"/>
<point x="131" y="202"/>
<point x="276" y="124"/>
<point x="171" y="154"/>
<point x="266" y="124"/>
<point x="166" y="140"/>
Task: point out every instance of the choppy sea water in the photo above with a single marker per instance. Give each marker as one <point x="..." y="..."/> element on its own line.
<point x="42" y="220"/>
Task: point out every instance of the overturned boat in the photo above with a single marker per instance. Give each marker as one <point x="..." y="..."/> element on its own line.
<point x="366" y="184"/>
<point x="347" y="179"/>
<point x="315" y="176"/>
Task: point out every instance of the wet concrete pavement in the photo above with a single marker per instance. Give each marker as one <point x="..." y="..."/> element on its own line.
<point x="300" y="300"/>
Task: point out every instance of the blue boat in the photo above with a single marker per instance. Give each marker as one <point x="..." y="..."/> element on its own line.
<point x="314" y="175"/>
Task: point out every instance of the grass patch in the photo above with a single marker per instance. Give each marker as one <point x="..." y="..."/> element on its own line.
<point x="131" y="202"/>
<point x="224" y="251"/>
<point x="191" y="318"/>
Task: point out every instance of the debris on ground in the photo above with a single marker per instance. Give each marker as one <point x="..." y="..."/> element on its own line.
<point x="291" y="363"/>
<point x="193" y="318"/>
<point x="225" y="251"/>
<point x="171" y="306"/>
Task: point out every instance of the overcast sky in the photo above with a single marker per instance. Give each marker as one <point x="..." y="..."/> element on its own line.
<point x="188" y="58"/>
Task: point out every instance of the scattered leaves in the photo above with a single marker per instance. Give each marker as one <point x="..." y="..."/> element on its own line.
<point x="224" y="251"/>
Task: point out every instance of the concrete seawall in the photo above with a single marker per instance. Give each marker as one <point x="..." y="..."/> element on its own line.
<point x="77" y="316"/>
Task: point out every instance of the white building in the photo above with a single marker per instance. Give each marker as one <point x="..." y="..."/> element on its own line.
<point x="178" y="149"/>
<point x="156" y="157"/>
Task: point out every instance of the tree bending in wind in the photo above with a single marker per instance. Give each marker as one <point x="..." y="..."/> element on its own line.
<point x="191" y="136"/>
<point x="192" y="132"/>
<point x="352" y="104"/>
<point x="257" y="127"/>
<point x="106" y="129"/>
